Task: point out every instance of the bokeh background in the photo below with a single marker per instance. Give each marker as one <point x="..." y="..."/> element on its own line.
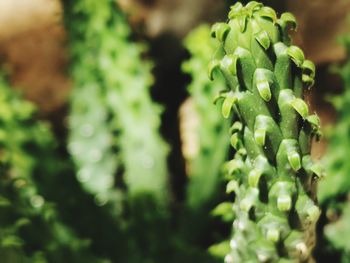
<point x="34" y="54"/>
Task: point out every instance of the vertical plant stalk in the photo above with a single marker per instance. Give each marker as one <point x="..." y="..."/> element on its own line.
<point x="30" y="225"/>
<point x="334" y="189"/>
<point x="113" y="122"/>
<point x="205" y="145"/>
<point x="272" y="175"/>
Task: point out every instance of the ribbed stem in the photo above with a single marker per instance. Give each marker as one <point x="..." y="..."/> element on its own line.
<point x="113" y="121"/>
<point x="204" y="143"/>
<point x="30" y="225"/>
<point x="272" y="172"/>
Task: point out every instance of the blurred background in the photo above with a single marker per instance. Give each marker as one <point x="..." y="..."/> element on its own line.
<point x="33" y="46"/>
<point x="36" y="58"/>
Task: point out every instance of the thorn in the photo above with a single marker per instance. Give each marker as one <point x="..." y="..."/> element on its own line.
<point x="264" y="90"/>
<point x="229" y="62"/>
<point x="284" y="203"/>
<point x="254" y="177"/>
<point x="213" y="65"/>
<point x="296" y="54"/>
<point x="228" y="104"/>
<point x="232" y="186"/>
<point x="294" y="160"/>
<point x="234" y="141"/>
<point x="300" y="106"/>
<point x="259" y="136"/>
<point x="263" y="39"/>
<point x="273" y="234"/>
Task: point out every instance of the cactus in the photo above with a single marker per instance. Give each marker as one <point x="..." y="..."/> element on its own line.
<point x="113" y="122"/>
<point x="113" y="126"/>
<point x="209" y="145"/>
<point x="271" y="175"/>
<point x="31" y="229"/>
<point x="334" y="189"/>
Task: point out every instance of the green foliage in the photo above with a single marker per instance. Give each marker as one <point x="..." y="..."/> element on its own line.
<point x="211" y="146"/>
<point x="335" y="187"/>
<point x="272" y="175"/>
<point x="113" y="122"/>
<point x="114" y="140"/>
<point x="30" y="226"/>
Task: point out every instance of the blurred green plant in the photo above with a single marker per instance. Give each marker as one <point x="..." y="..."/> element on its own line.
<point x="209" y="143"/>
<point x="272" y="175"/>
<point x="205" y="145"/>
<point x="30" y="226"/>
<point x="114" y="140"/>
<point x="334" y="189"/>
<point x="113" y="121"/>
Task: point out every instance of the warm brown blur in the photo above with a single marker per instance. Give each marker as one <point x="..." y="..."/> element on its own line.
<point x="32" y="37"/>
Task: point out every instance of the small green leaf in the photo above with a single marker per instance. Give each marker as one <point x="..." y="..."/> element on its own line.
<point x="264" y="90"/>
<point x="288" y="20"/>
<point x="229" y="62"/>
<point x="235" y="10"/>
<point x="294" y="160"/>
<point x="300" y="106"/>
<point x="236" y="126"/>
<point x="263" y="39"/>
<point x="222" y="209"/>
<point x="309" y="68"/>
<point x="242" y="22"/>
<point x="296" y="54"/>
<point x="273" y="234"/>
<point x="235" y="141"/>
<point x="268" y="12"/>
<point x="254" y="177"/>
<point x="308" y="80"/>
<point x="253" y="6"/>
<point x="249" y="200"/>
<point x="220" y="250"/>
<point x="232" y="186"/>
<point x="233" y="166"/>
<point x="259" y="136"/>
<point x="228" y="103"/>
<point x="314" y="120"/>
<point x="220" y="31"/>
<point x="284" y="203"/>
<point x="213" y="65"/>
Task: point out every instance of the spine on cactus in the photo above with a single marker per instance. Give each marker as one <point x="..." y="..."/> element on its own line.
<point x="113" y="122"/>
<point x="335" y="187"/>
<point x="30" y="226"/>
<point x="205" y="145"/>
<point x="271" y="175"/>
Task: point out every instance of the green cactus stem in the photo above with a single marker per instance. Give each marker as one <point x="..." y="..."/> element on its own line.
<point x="208" y="143"/>
<point x="272" y="175"/>
<point x="334" y="189"/>
<point x="31" y="229"/>
<point x="113" y="122"/>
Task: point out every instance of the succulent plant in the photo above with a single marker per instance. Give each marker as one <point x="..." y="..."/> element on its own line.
<point x="114" y="137"/>
<point x="271" y="175"/>
<point x="206" y="146"/>
<point x="113" y="121"/>
<point x="334" y="189"/>
<point x="31" y="229"/>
